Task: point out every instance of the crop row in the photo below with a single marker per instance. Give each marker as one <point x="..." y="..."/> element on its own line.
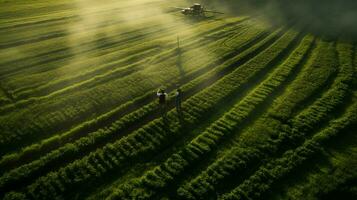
<point x="151" y="138"/>
<point x="316" y="78"/>
<point x="237" y="158"/>
<point x="225" y="64"/>
<point x="161" y="176"/>
<point x="231" y="162"/>
<point x="3" y="97"/>
<point x="329" y="180"/>
<point x="268" y="174"/>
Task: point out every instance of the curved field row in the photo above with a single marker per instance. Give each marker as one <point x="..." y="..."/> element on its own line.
<point x="331" y="176"/>
<point x="236" y="160"/>
<point x="278" y="168"/>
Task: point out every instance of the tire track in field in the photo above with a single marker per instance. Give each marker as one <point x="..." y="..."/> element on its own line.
<point x="150" y="98"/>
<point x="57" y="165"/>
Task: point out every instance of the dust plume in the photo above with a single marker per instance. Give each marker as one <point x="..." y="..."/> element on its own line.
<point x="329" y="18"/>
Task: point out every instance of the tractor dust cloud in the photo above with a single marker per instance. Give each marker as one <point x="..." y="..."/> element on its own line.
<point x="329" y="18"/>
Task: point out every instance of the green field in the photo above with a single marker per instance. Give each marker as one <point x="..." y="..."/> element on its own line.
<point x="269" y="110"/>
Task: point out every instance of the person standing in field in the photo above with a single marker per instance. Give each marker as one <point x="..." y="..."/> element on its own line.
<point x="178" y="99"/>
<point x="161" y="94"/>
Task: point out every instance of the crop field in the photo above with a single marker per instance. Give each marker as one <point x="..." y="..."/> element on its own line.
<point x="269" y="111"/>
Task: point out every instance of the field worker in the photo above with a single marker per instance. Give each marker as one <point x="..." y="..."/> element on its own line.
<point x="162" y="100"/>
<point x="178" y="99"/>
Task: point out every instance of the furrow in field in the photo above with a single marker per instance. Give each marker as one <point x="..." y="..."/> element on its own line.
<point x="237" y="161"/>
<point x="355" y="67"/>
<point x="316" y="79"/>
<point x="147" y="113"/>
<point x="154" y="182"/>
<point x="159" y="136"/>
<point x="5" y="96"/>
<point x="331" y="174"/>
<point x="277" y="169"/>
<point x="317" y="112"/>
<point x="277" y="84"/>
